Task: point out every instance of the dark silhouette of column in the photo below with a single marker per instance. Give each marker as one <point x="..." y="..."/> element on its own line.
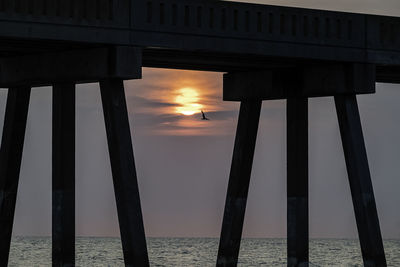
<point x="124" y="173"/>
<point x="360" y="181"/>
<point x="297" y="181"/>
<point x="63" y="172"/>
<point x="239" y="180"/>
<point x="11" y="149"/>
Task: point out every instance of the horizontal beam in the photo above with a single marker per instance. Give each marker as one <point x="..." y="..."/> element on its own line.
<point x="388" y="74"/>
<point x="301" y="81"/>
<point x="226" y="62"/>
<point x="78" y="66"/>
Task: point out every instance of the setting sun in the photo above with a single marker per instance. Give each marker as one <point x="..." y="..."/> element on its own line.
<point x="187" y="100"/>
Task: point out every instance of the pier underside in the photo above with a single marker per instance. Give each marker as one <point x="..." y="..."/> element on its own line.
<point x="23" y="52"/>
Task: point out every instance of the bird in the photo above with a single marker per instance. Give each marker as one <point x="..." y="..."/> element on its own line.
<point x="204" y="118"/>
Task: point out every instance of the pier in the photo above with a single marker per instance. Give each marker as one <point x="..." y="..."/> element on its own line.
<point x="266" y="52"/>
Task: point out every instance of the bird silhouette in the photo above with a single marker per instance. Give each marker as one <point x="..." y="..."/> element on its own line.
<point x="204" y="118"/>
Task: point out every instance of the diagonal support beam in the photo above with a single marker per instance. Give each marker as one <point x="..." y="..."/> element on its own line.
<point x="297" y="182"/>
<point x="63" y="172"/>
<point x="124" y="173"/>
<point x="12" y="145"/>
<point x="239" y="179"/>
<point x="360" y="181"/>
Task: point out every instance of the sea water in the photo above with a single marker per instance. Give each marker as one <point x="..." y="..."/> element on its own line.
<point x="94" y="251"/>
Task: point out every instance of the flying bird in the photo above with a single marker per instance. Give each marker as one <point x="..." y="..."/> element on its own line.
<point x="204" y="118"/>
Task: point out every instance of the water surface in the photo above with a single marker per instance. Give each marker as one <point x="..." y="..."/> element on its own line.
<point x="94" y="251"/>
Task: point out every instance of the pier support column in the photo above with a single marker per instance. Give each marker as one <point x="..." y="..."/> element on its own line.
<point x="239" y="180"/>
<point x="297" y="181"/>
<point x="360" y="181"/>
<point x="11" y="149"/>
<point x="124" y="173"/>
<point x="63" y="172"/>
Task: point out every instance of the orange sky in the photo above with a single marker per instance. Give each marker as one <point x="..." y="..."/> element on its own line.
<point x="163" y="96"/>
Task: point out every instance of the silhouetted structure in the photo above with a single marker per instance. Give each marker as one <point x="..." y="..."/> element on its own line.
<point x="268" y="52"/>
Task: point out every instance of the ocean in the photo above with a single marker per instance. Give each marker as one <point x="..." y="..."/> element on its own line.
<point x="95" y="251"/>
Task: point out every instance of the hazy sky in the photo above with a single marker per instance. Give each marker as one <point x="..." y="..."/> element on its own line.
<point x="183" y="163"/>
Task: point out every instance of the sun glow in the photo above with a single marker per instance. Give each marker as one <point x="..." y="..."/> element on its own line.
<point x="187" y="100"/>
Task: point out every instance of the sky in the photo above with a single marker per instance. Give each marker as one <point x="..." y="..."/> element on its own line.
<point x="183" y="162"/>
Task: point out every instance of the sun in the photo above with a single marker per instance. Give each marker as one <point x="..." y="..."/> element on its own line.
<point x="187" y="100"/>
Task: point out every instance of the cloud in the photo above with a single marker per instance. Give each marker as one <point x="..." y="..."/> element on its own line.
<point x="145" y="102"/>
<point x="152" y="103"/>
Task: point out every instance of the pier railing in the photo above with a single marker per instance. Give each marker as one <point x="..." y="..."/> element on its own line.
<point x="166" y="23"/>
<point x="107" y="13"/>
<point x="237" y="20"/>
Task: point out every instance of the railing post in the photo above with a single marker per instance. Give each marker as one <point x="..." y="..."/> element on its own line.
<point x="11" y="149"/>
<point x="124" y="173"/>
<point x="297" y="182"/>
<point x="360" y="181"/>
<point x="63" y="172"/>
<point x="239" y="179"/>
